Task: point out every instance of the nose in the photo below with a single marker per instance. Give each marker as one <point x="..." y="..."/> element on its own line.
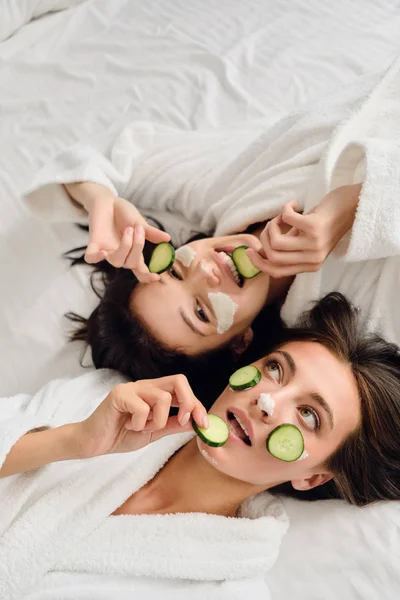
<point x="208" y="272"/>
<point x="272" y="408"/>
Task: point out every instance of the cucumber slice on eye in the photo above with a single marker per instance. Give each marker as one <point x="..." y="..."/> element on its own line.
<point x="243" y="263"/>
<point x="245" y="378"/>
<point x="217" y="433"/>
<point x="286" y="443"/>
<point x="162" y="258"/>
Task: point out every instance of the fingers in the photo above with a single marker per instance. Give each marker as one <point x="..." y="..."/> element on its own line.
<point x="135" y="260"/>
<point x="172" y="426"/>
<point x="94" y="254"/>
<point x="302" y="222"/>
<point x="183" y="397"/>
<point x="156" y="236"/>
<point x="118" y="257"/>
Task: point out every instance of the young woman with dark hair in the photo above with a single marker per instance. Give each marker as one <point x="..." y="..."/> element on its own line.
<point x="150" y="508"/>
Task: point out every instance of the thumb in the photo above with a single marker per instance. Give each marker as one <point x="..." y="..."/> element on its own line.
<point x="156" y="236"/>
<point x="93" y="253"/>
<point x="172" y="426"/>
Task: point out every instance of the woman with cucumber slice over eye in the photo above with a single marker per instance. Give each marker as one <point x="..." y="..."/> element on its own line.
<point x="112" y="521"/>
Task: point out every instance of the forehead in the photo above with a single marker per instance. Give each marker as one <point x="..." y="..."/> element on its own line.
<point x="319" y="370"/>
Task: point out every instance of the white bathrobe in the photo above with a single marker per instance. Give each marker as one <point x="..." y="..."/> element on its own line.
<point x="219" y="182"/>
<point x="58" y="540"/>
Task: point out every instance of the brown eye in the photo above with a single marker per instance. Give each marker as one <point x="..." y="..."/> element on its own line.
<point x="274" y="369"/>
<point x="201" y="314"/>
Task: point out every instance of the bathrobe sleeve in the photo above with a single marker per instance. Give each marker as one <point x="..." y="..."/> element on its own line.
<point x="366" y="149"/>
<point x="60" y="401"/>
<point x="219" y="181"/>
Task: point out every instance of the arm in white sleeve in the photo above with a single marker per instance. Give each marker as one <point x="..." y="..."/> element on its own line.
<point x="366" y="149"/>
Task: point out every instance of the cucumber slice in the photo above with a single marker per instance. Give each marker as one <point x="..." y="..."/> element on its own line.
<point x="243" y="263"/>
<point x="245" y="378"/>
<point x="286" y="442"/>
<point x="162" y="258"/>
<point x="216" y="435"/>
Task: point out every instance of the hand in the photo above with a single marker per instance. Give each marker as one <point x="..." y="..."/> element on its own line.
<point x="135" y="414"/>
<point x="294" y="243"/>
<point x="117" y="230"/>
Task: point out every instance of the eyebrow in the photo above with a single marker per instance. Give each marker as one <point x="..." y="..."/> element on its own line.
<point x="190" y="323"/>
<point x="320" y="400"/>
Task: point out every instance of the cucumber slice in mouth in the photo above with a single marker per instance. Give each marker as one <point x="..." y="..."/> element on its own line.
<point x="243" y="264"/>
<point x="217" y="433"/>
<point x="162" y="258"/>
<point x="244" y="378"/>
<point x="286" y="443"/>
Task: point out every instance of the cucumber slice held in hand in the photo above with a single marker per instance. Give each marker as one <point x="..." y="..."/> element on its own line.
<point x="217" y="433"/>
<point x="162" y="258"/>
<point x="286" y="443"/>
<point x="243" y="263"/>
<point x="244" y="378"/>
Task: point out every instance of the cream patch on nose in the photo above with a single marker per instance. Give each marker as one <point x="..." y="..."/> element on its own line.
<point x="224" y="308"/>
<point x="266" y="403"/>
<point x="185" y="255"/>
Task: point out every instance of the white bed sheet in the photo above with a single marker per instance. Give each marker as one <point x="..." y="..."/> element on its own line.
<point x="192" y="64"/>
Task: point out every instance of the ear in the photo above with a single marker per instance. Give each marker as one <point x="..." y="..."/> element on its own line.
<point x="241" y="342"/>
<point x="311" y="482"/>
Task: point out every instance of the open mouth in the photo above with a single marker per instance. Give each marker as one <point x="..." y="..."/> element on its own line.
<point x="238" y="428"/>
<point x="235" y="273"/>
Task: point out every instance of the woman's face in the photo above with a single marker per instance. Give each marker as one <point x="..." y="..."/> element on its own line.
<point x="309" y="388"/>
<point x="191" y="307"/>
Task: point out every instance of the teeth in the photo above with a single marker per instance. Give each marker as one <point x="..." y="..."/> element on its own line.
<point x="231" y="265"/>
<point x="242" y="425"/>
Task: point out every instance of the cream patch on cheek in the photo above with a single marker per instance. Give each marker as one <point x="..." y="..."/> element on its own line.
<point x="266" y="403"/>
<point x="208" y="457"/>
<point x="185" y="255"/>
<point x="224" y="308"/>
<point x="303" y="456"/>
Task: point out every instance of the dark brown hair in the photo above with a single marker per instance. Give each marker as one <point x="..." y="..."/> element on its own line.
<point x="366" y="467"/>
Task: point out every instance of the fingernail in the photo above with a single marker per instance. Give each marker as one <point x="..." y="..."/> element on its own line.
<point x="129" y="231"/>
<point x="205" y="422"/>
<point x="185" y="419"/>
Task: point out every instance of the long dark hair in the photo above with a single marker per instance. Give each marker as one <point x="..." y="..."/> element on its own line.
<point x="119" y="340"/>
<point x="366" y="467"/>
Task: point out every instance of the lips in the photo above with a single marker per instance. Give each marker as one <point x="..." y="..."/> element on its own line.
<point x="227" y="265"/>
<point x="240" y="426"/>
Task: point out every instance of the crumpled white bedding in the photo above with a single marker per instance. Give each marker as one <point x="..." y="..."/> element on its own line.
<point x="194" y="64"/>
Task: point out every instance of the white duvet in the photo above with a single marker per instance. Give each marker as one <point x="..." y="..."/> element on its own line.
<point x="189" y="65"/>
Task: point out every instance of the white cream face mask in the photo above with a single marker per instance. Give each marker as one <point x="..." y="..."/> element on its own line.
<point x="224" y="308"/>
<point x="266" y="403"/>
<point x="303" y="456"/>
<point x="185" y="255"/>
<point x="208" y="457"/>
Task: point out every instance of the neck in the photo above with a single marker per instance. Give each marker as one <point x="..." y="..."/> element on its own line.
<point x="189" y="483"/>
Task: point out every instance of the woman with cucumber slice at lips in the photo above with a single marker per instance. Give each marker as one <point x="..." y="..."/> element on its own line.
<point x="157" y="508"/>
<point x="339" y="159"/>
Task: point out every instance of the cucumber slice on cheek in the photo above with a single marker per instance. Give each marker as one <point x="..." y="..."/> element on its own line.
<point x="243" y="263"/>
<point x="217" y="433"/>
<point x="162" y="258"/>
<point x="286" y="443"/>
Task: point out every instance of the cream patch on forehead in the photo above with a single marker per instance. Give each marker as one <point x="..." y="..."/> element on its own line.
<point x="185" y="255"/>
<point x="224" y="308"/>
<point x="266" y="403"/>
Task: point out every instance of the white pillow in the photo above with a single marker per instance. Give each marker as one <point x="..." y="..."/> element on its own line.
<point x="16" y="13"/>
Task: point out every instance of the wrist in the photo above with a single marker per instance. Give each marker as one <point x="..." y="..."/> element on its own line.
<point x="87" y="193"/>
<point x="67" y="443"/>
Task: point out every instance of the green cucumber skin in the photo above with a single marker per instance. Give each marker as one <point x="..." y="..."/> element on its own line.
<point x="169" y="265"/>
<point x="270" y="439"/>
<point x="204" y="439"/>
<point x="237" y="264"/>
<point x="248" y="385"/>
